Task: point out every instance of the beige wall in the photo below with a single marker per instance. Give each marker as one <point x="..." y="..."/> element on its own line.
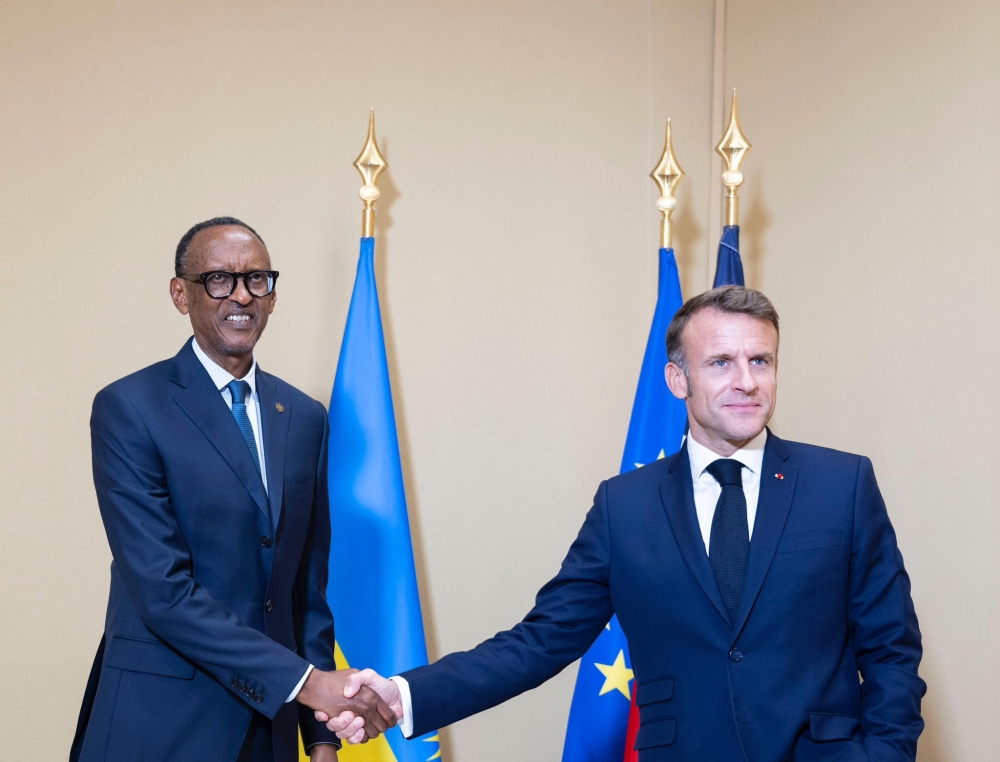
<point x="517" y="273"/>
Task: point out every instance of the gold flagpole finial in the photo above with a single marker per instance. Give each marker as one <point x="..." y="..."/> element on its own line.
<point x="370" y="164"/>
<point x="732" y="149"/>
<point x="667" y="174"/>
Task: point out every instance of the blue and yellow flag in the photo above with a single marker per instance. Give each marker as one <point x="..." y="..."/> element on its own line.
<point x="377" y="614"/>
<point x="598" y="716"/>
<point x="729" y="268"/>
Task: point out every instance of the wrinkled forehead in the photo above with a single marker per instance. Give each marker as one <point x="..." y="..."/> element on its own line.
<point x="712" y="332"/>
<point x="227" y="247"/>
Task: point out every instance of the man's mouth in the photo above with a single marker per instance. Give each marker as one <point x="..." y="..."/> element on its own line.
<point x="238" y="319"/>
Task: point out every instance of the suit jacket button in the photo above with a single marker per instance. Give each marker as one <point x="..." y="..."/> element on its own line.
<point x="736" y="655"/>
<point x="235" y="683"/>
<point x="258" y="697"/>
<point x="265" y="541"/>
<point x="269" y="605"/>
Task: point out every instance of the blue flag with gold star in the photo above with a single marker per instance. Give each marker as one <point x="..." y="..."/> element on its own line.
<point x="598" y="716"/>
<point x="377" y="612"/>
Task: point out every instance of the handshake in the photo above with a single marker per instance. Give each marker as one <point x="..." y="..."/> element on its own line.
<point x="357" y="706"/>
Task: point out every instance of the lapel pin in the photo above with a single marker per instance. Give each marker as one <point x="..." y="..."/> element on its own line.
<point x="779" y="476"/>
<point x="279" y="407"/>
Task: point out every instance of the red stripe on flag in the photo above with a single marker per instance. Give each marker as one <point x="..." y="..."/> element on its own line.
<point x="631" y="755"/>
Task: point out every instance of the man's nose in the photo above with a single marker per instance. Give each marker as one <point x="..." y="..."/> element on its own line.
<point x="744" y="381"/>
<point x="240" y="293"/>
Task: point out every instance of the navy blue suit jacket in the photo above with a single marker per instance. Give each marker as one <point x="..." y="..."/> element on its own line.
<point x="218" y="589"/>
<point x="826" y="598"/>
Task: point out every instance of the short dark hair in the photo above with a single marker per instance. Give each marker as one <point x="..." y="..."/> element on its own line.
<point x="180" y="258"/>
<point x="734" y="300"/>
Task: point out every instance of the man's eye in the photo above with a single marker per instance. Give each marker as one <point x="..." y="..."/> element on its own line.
<point x="759" y="361"/>
<point x="719" y="363"/>
<point x="217" y="277"/>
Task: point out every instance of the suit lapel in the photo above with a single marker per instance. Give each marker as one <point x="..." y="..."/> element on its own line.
<point x="773" y="503"/>
<point x="204" y="405"/>
<point x="275" y="424"/>
<point x="678" y="500"/>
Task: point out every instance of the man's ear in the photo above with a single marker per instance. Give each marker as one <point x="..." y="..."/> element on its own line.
<point x="676" y="381"/>
<point x="178" y="294"/>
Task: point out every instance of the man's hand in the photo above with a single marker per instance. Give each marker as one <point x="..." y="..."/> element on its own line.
<point x="323" y="752"/>
<point x="352" y="727"/>
<point x="329" y="693"/>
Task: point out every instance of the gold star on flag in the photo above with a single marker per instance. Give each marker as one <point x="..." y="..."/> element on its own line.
<point x="661" y="456"/>
<point x="616" y="676"/>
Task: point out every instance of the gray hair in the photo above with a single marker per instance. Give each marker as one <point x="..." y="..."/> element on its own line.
<point x="733" y="300"/>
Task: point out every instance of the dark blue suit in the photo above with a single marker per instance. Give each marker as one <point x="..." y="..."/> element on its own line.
<point x="218" y="589"/>
<point x="826" y="597"/>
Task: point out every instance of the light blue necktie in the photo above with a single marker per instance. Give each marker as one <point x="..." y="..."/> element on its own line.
<point x="239" y="391"/>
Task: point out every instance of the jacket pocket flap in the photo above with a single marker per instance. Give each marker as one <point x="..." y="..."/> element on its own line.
<point x="147" y="656"/>
<point x="810" y="541"/>
<point x="301" y="485"/>
<point x="833" y="727"/>
<point x="658" y="689"/>
<point x="656" y="733"/>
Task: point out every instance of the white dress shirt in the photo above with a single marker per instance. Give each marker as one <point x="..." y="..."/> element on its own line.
<point x="706" y="495"/>
<point x="221" y="378"/>
<point x="707" y="489"/>
<point x="405" y="724"/>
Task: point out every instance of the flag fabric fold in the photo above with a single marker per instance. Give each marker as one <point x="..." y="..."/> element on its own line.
<point x="373" y="585"/>
<point x="599" y="713"/>
<point x="729" y="268"/>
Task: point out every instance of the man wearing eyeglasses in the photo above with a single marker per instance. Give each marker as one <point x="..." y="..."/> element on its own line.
<point x="211" y="481"/>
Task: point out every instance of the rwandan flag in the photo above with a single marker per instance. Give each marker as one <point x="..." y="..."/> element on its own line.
<point x="729" y="270"/>
<point x="378" y="622"/>
<point x="599" y="714"/>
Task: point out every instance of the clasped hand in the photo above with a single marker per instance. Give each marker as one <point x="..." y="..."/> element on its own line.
<point x="356" y="726"/>
<point x="345" y="696"/>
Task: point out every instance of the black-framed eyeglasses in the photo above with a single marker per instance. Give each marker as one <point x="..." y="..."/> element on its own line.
<point x="220" y="284"/>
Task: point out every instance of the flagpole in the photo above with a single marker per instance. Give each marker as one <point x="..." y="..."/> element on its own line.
<point x="382" y="626"/>
<point x="667" y="174"/>
<point x="370" y="163"/>
<point x="732" y="148"/>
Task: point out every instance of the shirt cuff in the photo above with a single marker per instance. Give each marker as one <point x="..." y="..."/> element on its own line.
<point x="406" y="724"/>
<point x="297" y="688"/>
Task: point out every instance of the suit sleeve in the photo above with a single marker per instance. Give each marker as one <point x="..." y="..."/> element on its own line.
<point x="313" y="620"/>
<point x="153" y="559"/>
<point x="569" y="613"/>
<point x="884" y="627"/>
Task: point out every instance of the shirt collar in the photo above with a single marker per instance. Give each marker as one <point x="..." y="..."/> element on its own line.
<point x="220" y="376"/>
<point x="751" y="455"/>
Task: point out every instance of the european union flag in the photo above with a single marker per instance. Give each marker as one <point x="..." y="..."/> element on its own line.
<point x="598" y="716"/>
<point x="729" y="268"/>
<point x="378" y="621"/>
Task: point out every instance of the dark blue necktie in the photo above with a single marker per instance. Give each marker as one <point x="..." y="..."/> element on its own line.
<point x="239" y="391"/>
<point x="729" y="546"/>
